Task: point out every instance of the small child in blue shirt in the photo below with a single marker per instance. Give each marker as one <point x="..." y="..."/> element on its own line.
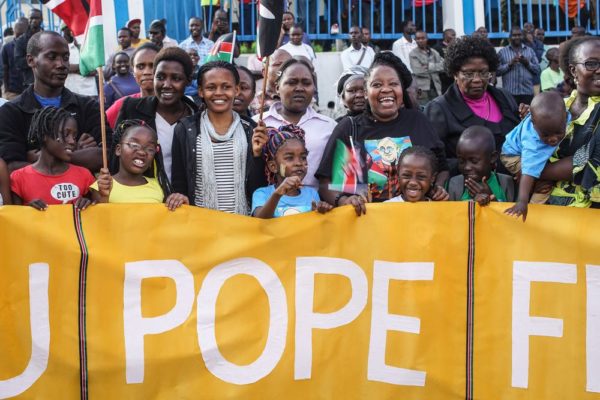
<point x="286" y="160"/>
<point x="530" y="144"/>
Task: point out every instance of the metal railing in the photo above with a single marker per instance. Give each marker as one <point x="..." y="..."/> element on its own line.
<point x="332" y="19"/>
<point x="556" y="17"/>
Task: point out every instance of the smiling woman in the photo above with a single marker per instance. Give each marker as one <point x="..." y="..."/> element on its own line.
<point x="379" y="136"/>
<point x="217" y="161"/>
<point x="172" y="73"/>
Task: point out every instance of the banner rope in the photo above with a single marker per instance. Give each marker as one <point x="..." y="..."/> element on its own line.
<point x="83" y="264"/>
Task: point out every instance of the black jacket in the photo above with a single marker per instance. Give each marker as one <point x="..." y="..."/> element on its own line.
<point x="15" y="118"/>
<point x="450" y="116"/>
<point x="21" y="58"/>
<point x="184" y="166"/>
<point x="144" y="108"/>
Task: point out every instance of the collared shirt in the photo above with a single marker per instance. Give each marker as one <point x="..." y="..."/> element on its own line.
<point x="351" y="56"/>
<point x="203" y="48"/>
<point x="518" y="79"/>
<point x="402" y="49"/>
<point x="317" y="129"/>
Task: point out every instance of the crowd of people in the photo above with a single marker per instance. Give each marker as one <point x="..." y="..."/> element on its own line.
<point x="455" y="121"/>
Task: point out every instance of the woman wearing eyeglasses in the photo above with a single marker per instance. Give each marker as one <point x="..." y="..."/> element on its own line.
<point x="576" y="171"/>
<point x="471" y="100"/>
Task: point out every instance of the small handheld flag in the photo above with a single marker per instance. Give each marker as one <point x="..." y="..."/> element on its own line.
<point x="270" y="16"/>
<point x="223" y="48"/>
<point x="347" y="175"/>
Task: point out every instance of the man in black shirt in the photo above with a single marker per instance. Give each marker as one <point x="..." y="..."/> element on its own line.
<point x="442" y="49"/>
<point x="48" y="57"/>
<point x="35" y="26"/>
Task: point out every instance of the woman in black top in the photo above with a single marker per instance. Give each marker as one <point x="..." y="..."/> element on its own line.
<point x="378" y="136"/>
<point x="472" y="62"/>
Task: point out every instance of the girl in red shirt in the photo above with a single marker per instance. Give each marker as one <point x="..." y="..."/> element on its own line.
<point x="52" y="179"/>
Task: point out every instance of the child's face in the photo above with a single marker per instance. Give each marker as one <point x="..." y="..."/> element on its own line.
<point x="136" y="150"/>
<point x="290" y="160"/>
<point x="218" y="90"/>
<point x="550" y="130"/>
<point x="474" y="161"/>
<point x="415" y="177"/>
<point x="65" y="145"/>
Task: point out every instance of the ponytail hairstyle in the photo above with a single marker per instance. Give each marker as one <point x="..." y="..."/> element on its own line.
<point x="47" y="122"/>
<point x="156" y="170"/>
<point x="389" y="59"/>
<point x="277" y="138"/>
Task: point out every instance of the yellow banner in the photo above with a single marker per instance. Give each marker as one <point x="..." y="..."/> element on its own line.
<point x="411" y="301"/>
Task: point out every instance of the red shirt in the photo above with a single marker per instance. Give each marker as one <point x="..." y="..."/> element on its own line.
<point x="113" y="111"/>
<point x="29" y="184"/>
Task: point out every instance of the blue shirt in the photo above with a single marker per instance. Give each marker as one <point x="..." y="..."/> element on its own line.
<point x="524" y="140"/>
<point x="203" y="48"/>
<point x="518" y="79"/>
<point x="288" y="205"/>
<point x="48" y="101"/>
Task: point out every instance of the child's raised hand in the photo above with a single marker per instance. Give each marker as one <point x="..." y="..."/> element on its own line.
<point x="176" y="200"/>
<point x="83" y="202"/>
<point x="289" y="184"/>
<point x="259" y="139"/>
<point x="475" y="188"/>
<point x="438" y="193"/>
<point x="322" y="207"/>
<point x="517" y="210"/>
<point x="104" y="183"/>
<point x="38" y="204"/>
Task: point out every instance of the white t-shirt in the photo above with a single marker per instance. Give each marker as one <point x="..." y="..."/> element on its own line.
<point x="302" y="50"/>
<point x="165" y="133"/>
<point x="83" y="85"/>
<point x="402" y="48"/>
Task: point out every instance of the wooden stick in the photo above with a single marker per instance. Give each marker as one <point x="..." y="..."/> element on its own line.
<point x="102" y="115"/>
<point x="264" y="92"/>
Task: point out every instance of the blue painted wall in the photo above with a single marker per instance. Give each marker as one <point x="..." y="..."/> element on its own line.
<point x="177" y="13"/>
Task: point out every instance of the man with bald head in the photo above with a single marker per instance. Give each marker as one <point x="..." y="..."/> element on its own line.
<point x="48" y="58"/>
<point x="197" y="41"/>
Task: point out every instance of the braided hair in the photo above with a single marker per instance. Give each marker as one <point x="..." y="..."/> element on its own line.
<point x="421" y="151"/>
<point x="277" y="138"/>
<point x="157" y="169"/>
<point x="47" y="122"/>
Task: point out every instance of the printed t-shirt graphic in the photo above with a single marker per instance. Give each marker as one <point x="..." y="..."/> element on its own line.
<point x="29" y="184"/>
<point x="382" y="163"/>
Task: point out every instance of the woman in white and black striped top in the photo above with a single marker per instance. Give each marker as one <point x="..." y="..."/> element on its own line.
<point x="217" y="158"/>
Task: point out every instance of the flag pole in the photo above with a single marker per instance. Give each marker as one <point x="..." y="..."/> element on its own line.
<point x="102" y="115"/>
<point x="265" y="87"/>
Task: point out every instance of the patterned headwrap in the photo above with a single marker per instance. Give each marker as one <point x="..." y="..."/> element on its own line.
<point x="277" y="137"/>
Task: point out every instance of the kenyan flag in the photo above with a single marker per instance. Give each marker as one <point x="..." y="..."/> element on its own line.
<point x="84" y="18"/>
<point x="346" y="170"/>
<point x="223" y="49"/>
<point x="92" y="50"/>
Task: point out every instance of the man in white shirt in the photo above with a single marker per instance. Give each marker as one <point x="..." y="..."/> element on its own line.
<point x="357" y="53"/>
<point x="403" y="46"/>
<point x="295" y="46"/>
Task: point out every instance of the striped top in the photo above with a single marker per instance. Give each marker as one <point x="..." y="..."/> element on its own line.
<point x="518" y="79"/>
<point x="224" y="171"/>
